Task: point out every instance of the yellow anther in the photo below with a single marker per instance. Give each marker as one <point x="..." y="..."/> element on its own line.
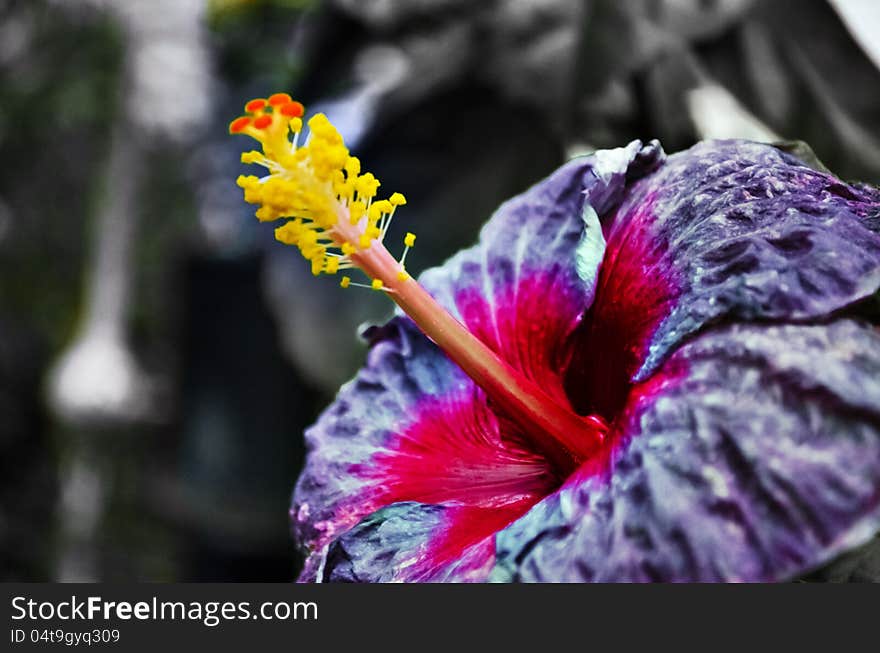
<point x="331" y="204"/>
<point x="377" y="284"/>
<point x="313" y="251"/>
<point x="356" y="210"/>
<point x="367" y="185"/>
<point x="383" y="206"/>
<point x="353" y="166"/>
<point x="410" y="239"/>
<point x="253" y="194"/>
<point x="317" y="266"/>
<point x="289" y="233"/>
<point x="403" y="275"/>
<point x="345" y="191"/>
<point x="374" y="213"/>
<point x="266" y="213"/>
<point x="323" y="130"/>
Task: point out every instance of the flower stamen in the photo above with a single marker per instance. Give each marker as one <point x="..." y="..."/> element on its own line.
<point x="334" y="207"/>
<point x="334" y="218"/>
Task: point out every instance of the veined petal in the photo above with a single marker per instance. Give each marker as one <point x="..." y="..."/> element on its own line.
<point x="411" y="427"/>
<point x="524" y="288"/>
<point x="753" y="454"/>
<point x="725" y="231"/>
<point x="417" y="542"/>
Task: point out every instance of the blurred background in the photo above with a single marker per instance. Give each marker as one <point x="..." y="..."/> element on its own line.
<point x="160" y="356"/>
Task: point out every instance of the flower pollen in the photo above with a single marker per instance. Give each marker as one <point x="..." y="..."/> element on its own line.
<point x="336" y="220"/>
<point x="331" y="205"/>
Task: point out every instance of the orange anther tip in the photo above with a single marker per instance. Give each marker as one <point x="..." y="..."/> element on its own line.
<point x="293" y="110"/>
<point x="279" y="99"/>
<point x="239" y="124"/>
<point x="262" y="122"/>
<point x="255" y="105"/>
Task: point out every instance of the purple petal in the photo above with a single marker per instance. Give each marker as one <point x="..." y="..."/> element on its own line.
<point x="725" y="231"/>
<point x="753" y="454"/>
<point x="399" y="544"/>
<point x="537" y="262"/>
<point x="411" y="427"/>
<point x="382" y="442"/>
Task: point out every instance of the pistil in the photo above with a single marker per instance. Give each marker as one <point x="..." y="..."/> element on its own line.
<point x="557" y="432"/>
<point x="337" y="224"/>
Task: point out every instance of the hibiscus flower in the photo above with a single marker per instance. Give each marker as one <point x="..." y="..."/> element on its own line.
<point x="648" y="368"/>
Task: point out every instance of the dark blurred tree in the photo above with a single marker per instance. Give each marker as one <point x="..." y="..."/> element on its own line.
<point x="54" y="125"/>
